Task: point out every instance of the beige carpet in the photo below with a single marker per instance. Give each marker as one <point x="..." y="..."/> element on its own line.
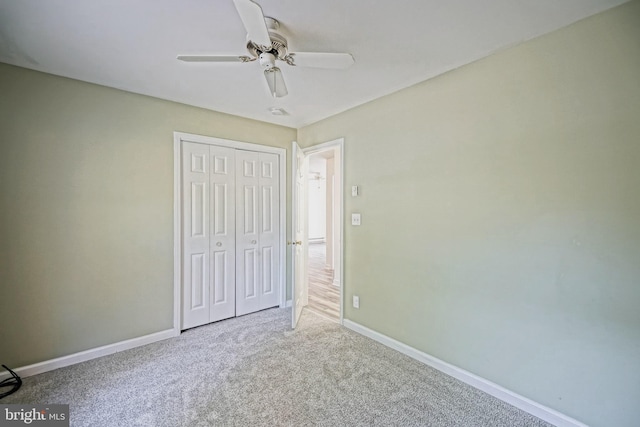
<point x="255" y="371"/>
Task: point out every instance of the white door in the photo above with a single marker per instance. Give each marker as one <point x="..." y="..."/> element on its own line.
<point x="269" y="226"/>
<point x="195" y="259"/>
<point x="299" y="243"/>
<point x="257" y="231"/>
<point x="231" y="229"/>
<point x="223" y="233"/>
<point x="247" y="234"/>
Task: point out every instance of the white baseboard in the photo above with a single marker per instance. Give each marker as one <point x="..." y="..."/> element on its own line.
<point x="83" y="356"/>
<point x="547" y="414"/>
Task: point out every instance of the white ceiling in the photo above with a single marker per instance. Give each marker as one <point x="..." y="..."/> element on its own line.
<point x="132" y="45"/>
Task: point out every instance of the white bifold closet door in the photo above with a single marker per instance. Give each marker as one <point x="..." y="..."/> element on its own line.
<point x="257" y="231"/>
<point x="230" y="232"/>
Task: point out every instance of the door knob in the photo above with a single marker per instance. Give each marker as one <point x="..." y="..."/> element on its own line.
<point x="219" y="244"/>
<point x="253" y="242"/>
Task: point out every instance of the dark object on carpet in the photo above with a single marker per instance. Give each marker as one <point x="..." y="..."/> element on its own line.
<point x="14" y="382"/>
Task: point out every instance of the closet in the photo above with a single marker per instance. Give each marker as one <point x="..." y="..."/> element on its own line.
<point x="230" y="232"/>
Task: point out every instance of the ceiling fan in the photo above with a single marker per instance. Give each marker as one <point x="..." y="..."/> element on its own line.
<point x="267" y="45"/>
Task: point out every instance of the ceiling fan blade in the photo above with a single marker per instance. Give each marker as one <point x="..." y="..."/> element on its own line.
<point x="321" y="60"/>
<point x="276" y="82"/>
<point x="213" y="58"/>
<point x="253" y="20"/>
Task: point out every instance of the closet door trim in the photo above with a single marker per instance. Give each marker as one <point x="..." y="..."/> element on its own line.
<point x="178" y="139"/>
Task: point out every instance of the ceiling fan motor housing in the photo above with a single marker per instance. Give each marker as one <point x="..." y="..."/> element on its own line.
<point x="278" y="46"/>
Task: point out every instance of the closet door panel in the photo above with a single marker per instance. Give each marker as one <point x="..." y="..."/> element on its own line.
<point x="195" y="231"/>
<point x="248" y="220"/>
<point x="269" y="229"/>
<point x="223" y="230"/>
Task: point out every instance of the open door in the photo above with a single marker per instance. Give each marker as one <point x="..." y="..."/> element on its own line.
<point x="298" y="234"/>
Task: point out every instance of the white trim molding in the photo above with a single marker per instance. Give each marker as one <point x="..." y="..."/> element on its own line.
<point x="534" y="408"/>
<point x="83" y="356"/>
<point x="177" y="234"/>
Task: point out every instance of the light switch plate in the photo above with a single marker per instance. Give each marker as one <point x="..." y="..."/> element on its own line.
<point x="355" y="219"/>
<point x="354" y="190"/>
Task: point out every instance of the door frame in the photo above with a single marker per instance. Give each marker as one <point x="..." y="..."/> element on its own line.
<point x="339" y="145"/>
<point x="178" y="139"/>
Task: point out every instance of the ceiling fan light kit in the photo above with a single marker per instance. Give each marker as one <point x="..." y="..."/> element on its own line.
<point x="267" y="45"/>
<point x="275" y="81"/>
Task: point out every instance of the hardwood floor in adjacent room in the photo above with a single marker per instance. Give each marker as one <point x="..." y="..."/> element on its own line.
<point x="324" y="296"/>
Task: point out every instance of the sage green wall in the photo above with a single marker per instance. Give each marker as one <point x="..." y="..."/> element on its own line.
<point x="501" y="217"/>
<point x="500" y="205"/>
<point x="86" y="211"/>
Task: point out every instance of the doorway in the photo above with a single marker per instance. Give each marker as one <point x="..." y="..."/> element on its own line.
<point x="323" y="283"/>
<point x="318" y="207"/>
<point x="229" y="204"/>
